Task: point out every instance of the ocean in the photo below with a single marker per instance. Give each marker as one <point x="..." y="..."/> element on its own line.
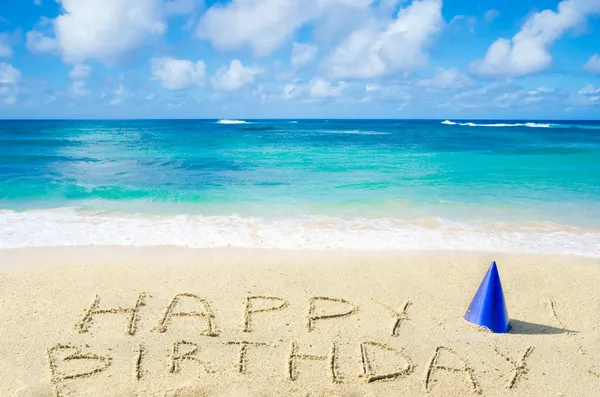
<point x="517" y="186"/>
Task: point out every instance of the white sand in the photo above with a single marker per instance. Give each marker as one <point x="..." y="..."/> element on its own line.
<point x="44" y="294"/>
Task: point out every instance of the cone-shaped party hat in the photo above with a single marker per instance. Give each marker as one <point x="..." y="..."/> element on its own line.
<point x="488" y="309"/>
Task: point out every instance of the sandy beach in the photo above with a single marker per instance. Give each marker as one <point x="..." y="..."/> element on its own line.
<point x="108" y="321"/>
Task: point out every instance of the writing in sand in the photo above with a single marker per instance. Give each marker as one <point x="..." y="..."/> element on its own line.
<point x="365" y="359"/>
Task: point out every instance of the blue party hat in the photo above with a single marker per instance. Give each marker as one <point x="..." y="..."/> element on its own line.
<point x="488" y="309"/>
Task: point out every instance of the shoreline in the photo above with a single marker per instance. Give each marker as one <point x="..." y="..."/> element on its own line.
<point x="38" y="228"/>
<point x="319" y="323"/>
<point x="24" y="254"/>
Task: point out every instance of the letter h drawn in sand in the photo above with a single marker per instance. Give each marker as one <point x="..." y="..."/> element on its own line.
<point x="206" y="314"/>
<point x="243" y="357"/>
<point x="58" y="377"/>
<point x="295" y="356"/>
<point x="84" y="323"/>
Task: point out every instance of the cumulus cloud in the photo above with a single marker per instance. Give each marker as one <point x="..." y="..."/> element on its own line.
<point x="593" y="64"/>
<point x="178" y="74"/>
<point x="264" y="25"/>
<point x="101" y="30"/>
<point x="118" y="94"/>
<point x="589" y="89"/>
<point x="400" y="44"/>
<point x="528" y="51"/>
<point x="446" y="78"/>
<point x="321" y="88"/>
<point x="303" y="54"/>
<point x="80" y="71"/>
<point x="8" y="74"/>
<point x="9" y="93"/>
<point x="78" y="89"/>
<point x="38" y="42"/>
<point x="234" y="77"/>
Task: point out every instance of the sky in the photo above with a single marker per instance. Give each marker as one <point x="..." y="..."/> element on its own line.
<point x="443" y="59"/>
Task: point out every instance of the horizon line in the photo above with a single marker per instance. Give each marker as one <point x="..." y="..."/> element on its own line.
<point x="295" y="119"/>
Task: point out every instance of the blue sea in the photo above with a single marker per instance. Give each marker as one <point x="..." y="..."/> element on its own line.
<point x="518" y="186"/>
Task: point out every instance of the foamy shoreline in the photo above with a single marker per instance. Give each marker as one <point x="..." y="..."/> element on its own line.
<point x="69" y="227"/>
<point x="184" y="325"/>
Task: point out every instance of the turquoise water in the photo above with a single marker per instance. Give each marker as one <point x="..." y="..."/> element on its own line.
<point x="304" y="183"/>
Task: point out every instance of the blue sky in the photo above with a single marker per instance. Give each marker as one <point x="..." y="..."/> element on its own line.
<point x="464" y="59"/>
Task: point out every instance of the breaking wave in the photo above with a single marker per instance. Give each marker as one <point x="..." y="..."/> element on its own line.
<point x="225" y="121"/>
<point x="531" y="125"/>
<point x="39" y="228"/>
<point x="355" y="132"/>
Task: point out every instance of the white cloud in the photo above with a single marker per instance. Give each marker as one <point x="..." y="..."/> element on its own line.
<point x="470" y="21"/>
<point x="118" y="95"/>
<point x="491" y="15"/>
<point x="78" y="89"/>
<point x="38" y="42"/>
<point x="178" y="74"/>
<point x="540" y="91"/>
<point x="321" y="88"/>
<point x="593" y="64"/>
<point x="303" y="54"/>
<point x="264" y="25"/>
<point x="528" y="51"/>
<point x="446" y="78"/>
<point x="101" y="30"/>
<point x="589" y="89"/>
<point x="5" y="47"/>
<point x="234" y="78"/>
<point x="377" y="50"/>
<point x="9" y="93"/>
<point x="261" y="24"/>
<point x="80" y="71"/>
<point x="371" y="88"/>
<point x="8" y="74"/>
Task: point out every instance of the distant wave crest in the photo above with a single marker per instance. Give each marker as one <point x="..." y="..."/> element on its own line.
<point x="355" y="132"/>
<point x="530" y="125"/>
<point x="226" y="121"/>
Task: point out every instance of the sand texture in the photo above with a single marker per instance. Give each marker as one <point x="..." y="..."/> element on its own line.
<point x="166" y="322"/>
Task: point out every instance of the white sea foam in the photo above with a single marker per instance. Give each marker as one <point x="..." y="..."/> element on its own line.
<point x="67" y="227"/>
<point x="355" y="132"/>
<point x="470" y="124"/>
<point x="225" y="121"/>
